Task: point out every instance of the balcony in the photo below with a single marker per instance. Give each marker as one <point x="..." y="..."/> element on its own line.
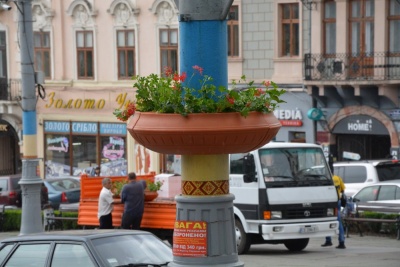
<point x="10" y="90"/>
<point x="348" y="67"/>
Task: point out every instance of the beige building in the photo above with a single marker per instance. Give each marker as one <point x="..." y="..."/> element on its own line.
<point x="87" y="51"/>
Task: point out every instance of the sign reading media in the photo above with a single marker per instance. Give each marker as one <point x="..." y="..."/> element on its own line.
<point x="360" y="124"/>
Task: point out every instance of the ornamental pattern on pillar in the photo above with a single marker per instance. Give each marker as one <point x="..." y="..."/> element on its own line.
<point x="205" y="188"/>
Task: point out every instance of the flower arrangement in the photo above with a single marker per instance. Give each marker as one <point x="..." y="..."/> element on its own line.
<point x="169" y="94"/>
<point x="117" y="187"/>
<point x="154" y="186"/>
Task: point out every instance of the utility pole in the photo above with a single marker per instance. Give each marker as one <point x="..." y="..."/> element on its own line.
<point x="31" y="219"/>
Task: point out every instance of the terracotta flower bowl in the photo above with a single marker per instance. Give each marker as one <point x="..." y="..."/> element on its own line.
<point x="203" y="133"/>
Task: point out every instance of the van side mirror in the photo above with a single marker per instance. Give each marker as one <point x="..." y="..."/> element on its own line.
<point x="249" y="169"/>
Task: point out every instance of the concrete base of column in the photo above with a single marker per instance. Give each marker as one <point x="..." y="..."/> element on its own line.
<point x="31" y="217"/>
<point x="217" y="212"/>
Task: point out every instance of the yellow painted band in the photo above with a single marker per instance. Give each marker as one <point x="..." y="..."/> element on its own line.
<point x="30" y="146"/>
<point x="205" y="167"/>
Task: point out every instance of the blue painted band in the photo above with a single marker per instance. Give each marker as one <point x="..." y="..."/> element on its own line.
<point x="204" y="43"/>
<point x="29" y="122"/>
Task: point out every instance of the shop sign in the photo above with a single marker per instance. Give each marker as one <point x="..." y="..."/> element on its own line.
<point x="113" y="128"/>
<point x="56" y="126"/>
<point x="394" y="114"/>
<point x="84" y="127"/>
<point x="57" y="101"/>
<point x="360" y="124"/>
<point x="190" y="239"/>
<point x="288" y="117"/>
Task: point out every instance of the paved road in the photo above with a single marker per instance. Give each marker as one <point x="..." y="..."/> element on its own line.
<point x="366" y="251"/>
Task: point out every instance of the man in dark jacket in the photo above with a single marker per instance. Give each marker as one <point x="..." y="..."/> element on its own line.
<point x="132" y="196"/>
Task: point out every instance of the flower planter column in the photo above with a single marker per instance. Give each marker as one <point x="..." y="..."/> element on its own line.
<point x="205" y="178"/>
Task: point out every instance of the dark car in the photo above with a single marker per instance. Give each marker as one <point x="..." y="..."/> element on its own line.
<point x="10" y="190"/>
<point x="85" y="248"/>
<point x="63" y="190"/>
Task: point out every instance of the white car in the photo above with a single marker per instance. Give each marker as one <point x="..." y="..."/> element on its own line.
<point x="387" y="192"/>
<point x="357" y="174"/>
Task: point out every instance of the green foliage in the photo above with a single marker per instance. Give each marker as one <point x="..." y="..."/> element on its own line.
<point x="117" y="187"/>
<point x="154" y="186"/>
<point x="170" y="94"/>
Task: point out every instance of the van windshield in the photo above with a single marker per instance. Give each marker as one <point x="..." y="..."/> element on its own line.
<point x="294" y="167"/>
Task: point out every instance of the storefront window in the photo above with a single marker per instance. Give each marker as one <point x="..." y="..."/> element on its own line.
<point x="57" y="149"/>
<point x="73" y="148"/>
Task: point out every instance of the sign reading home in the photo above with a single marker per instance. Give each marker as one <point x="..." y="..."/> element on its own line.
<point x="360" y="124"/>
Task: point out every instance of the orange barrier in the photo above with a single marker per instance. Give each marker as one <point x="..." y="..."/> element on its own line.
<point x="158" y="214"/>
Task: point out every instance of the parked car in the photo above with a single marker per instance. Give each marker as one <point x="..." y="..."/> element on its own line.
<point x="85" y="248"/>
<point x="10" y="190"/>
<point x="382" y="192"/>
<point x="63" y="190"/>
<point x="357" y="174"/>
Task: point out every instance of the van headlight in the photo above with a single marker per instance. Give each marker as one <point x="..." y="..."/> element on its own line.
<point x="276" y="214"/>
<point x="330" y="212"/>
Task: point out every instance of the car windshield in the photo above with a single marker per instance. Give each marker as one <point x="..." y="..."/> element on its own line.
<point x="64" y="184"/>
<point x="294" y="167"/>
<point x="132" y="249"/>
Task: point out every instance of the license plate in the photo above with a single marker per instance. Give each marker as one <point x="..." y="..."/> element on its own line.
<point x="308" y="229"/>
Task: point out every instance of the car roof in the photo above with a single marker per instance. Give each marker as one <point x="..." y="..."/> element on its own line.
<point x="290" y="145"/>
<point x="374" y="162"/>
<point x="73" y="235"/>
<point x="59" y="179"/>
<point x="394" y="182"/>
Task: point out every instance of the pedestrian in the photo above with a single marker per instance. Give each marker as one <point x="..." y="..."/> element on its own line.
<point x="340" y="187"/>
<point x="97" y="171"/>
<point x="132" y="196"/>
<point x="105" y="205"/>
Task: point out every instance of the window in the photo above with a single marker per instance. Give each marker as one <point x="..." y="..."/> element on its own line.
<point x="169" y="49"/>
<point x="329" y="26"/>
<point x="394" y="26"/>
<point x="41" y="41"/>
<point x="71" y="255"/>
<point x="289" y="29"/>
<point x="126" y="54"/>
<point x="26" y="254"/>
<point x="84" y="44"/>
<point x="72" y="148"/>
<point x="233" y="32"/>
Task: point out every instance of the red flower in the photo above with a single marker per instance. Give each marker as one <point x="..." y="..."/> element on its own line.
<point x="258" y="92"/>
<point x="231" y="100"/>
<point x="266" y="83"/>
<point x="199" y="69"/>
<point x="182" y="78"/>
<point x="167" y="71"/>
<point x="176" y="77"/>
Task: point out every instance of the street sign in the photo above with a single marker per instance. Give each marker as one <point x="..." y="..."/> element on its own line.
<point x="350" y="155"/>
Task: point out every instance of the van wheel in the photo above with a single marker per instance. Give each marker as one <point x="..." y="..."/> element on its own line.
<point x="296" y="244"/>
<point x="243" y="241"/>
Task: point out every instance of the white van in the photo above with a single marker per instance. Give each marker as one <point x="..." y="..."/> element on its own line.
<point x="283" y="194"/>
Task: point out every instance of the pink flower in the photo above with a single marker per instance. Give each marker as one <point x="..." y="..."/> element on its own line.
<point x="199" y="69"/>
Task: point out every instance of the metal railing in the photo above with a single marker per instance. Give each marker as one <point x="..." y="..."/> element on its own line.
<point x="10" y="89"/>
<point x="344" y="67"/>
